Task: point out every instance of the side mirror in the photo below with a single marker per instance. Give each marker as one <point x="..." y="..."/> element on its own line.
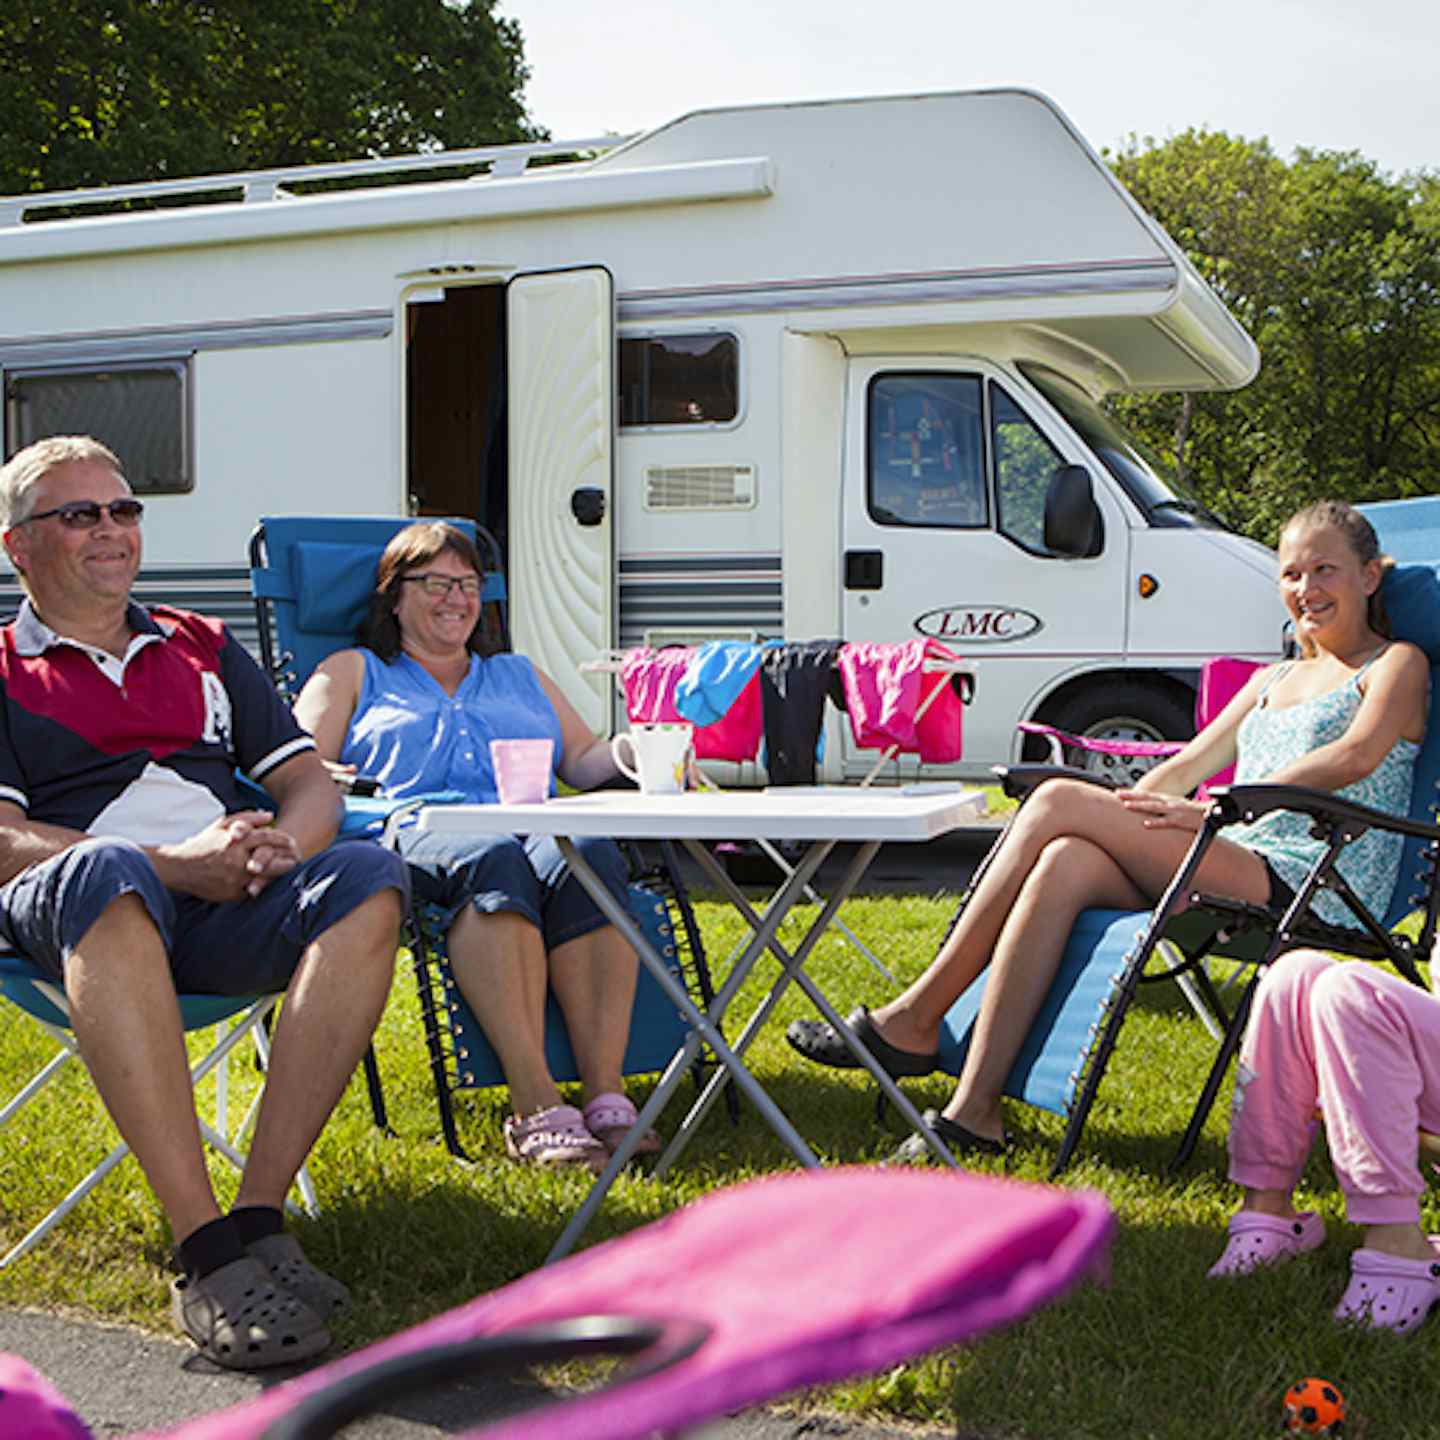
<point x="1073" y="527"/>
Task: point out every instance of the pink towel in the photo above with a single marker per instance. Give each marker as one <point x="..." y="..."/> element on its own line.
<point x="649" y="678"/>
<point x="885" y="685"/>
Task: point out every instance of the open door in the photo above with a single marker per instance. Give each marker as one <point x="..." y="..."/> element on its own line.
<point x="561" y="351"/>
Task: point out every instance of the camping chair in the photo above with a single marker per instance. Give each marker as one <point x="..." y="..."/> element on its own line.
<point x="44" y="1002"/>
<point x="1122" y="762"/>
<point x="312" y="577"/>
<point x="717" y="1302"/>
<point x="1069" y="1046"/>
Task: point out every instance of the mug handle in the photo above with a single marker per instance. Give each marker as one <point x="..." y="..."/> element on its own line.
<point x="620" y="764"/>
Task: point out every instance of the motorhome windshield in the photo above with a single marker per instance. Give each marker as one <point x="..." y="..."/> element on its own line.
<point x="1163" y="503"/>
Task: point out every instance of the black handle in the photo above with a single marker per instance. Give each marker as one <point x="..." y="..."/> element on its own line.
<point x="587" y="505"/>
<point x="327" y="1411"/>
<point x="864" y="569"/>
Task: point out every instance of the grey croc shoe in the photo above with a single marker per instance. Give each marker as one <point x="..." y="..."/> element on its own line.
<point x="282" y="1256"/>
<point x="241" y="1320"/>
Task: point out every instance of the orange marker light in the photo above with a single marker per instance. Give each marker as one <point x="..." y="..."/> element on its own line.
<point x="1147" y="586"/>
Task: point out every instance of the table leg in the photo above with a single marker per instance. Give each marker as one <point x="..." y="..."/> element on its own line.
<point x="764" y="928"/>
<point x="793" y="968"/>
<point x="674" y="1072"/>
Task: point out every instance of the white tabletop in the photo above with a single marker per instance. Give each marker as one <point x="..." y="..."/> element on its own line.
<point x="909" y="812"/>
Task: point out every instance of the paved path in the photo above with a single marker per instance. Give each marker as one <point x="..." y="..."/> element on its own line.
<point x="122" y="1381"/>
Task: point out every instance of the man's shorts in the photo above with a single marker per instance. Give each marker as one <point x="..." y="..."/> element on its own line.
<point x="244" y="947"/>
<point x="524" y="875"/>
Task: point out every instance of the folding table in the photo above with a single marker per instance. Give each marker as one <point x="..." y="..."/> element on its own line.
<point x="823" y="816"/>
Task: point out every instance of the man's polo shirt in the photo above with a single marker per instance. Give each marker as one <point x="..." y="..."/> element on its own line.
<point x="142" y="747"/>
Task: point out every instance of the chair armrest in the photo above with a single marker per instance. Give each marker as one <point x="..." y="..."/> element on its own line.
<point x="1249" y="802"/>
<point x="1017" y="781"/>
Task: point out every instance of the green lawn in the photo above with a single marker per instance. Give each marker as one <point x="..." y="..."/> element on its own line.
<point x="1161" y="1352"/>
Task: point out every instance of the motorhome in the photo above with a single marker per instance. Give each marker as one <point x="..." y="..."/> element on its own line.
<point x="800" y="370"/>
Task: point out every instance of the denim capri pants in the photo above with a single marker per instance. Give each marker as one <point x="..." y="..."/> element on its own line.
<point x="244" y="947"/>
<point x="526" y="875"/>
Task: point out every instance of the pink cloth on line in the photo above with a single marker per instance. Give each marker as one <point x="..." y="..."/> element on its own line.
<point x="649" y="678"/>
<point x="1363" y="1046"/>
<point x="910" y="1260"/>
<point x="885" y="685"/>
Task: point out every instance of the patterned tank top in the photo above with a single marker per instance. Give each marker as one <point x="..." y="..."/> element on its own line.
<point x="1271" y="738"/>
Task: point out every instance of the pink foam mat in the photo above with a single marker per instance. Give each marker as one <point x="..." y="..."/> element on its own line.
<point x="801" y="1278"/>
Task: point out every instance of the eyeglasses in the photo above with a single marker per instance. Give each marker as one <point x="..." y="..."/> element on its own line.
<point x="437" y="586"/>
<point x="85" y="514"/>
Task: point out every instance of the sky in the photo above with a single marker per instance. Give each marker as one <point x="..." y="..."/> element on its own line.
<point x="1318" y="73"/>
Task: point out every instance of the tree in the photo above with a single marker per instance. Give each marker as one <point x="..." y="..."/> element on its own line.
<point x="103" y="91"/>
<point x="1334" y="268"/>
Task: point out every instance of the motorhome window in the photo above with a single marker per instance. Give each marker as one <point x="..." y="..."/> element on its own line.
<point x="1164" y="503"/>
<point x="679" y="379"/>
<point x="927" y="451"/>
<point x="1025" y="463"/>
<point x="139" y="411"/>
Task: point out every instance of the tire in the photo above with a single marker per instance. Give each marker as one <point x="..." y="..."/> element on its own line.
<point x="1127" y="710"/>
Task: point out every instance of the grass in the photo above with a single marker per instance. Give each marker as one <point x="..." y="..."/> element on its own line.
<point x="1159" y="1353"/>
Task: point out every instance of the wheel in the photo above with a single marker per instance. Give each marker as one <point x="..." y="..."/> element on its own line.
<point x="1127" y="710"/>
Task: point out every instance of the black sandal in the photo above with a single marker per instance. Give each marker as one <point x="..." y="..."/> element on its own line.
<point x="817" y="1041"/>
<point x="962" y="1142"/>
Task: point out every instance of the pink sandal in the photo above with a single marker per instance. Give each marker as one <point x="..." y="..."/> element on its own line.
<point x="1389" y="1292"/>
<point x="554" y="1138"/>
<point x="610" y="1118"/>
<point x="1257" y="1239"/>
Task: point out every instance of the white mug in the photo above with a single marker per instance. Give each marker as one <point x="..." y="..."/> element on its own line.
<point x="662" y="755"/>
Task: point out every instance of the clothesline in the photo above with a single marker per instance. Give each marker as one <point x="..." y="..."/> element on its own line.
<point x="609" y="662"/>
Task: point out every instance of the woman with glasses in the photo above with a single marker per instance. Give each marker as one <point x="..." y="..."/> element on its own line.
<point x="415" y="708"/>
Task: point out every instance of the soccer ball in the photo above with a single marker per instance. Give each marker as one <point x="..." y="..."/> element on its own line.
<point x="1314" y="1407"/>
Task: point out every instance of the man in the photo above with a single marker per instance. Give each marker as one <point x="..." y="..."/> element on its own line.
<point x="131" y="868"/>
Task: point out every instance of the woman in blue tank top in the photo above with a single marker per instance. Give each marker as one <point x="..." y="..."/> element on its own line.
<point x="416" y="708"/>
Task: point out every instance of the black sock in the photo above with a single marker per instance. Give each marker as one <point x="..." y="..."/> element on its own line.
<point x="255" y="1222"/>
<point x="214" y="1244"/>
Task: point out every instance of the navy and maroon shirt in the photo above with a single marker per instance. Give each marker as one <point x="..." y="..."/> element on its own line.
<point x="146" y="747"/>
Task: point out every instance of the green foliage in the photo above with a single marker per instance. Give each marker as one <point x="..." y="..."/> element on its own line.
<point x="99" y="93"/>
<point x="1334" y="268"/>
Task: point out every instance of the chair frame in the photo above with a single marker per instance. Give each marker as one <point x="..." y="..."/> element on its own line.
<point x="438" y="995"/>
<point x="247" y="1017"/>
<point x="1200" y="927"/>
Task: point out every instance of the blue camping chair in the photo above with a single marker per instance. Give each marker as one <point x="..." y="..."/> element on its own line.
<point x="311" y="578"/>
<point x="44" y="1002"/>
<point x="1111" y="953"/>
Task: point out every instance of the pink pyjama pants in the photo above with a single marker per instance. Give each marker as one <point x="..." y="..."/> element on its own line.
<point x="1363" y="1046"/>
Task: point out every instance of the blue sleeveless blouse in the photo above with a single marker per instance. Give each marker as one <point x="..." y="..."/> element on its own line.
<point x="1269" y="739"/>
<point x="415" y="739"/>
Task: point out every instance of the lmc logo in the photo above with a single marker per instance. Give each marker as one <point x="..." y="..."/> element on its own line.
<point x="980" y="624"/>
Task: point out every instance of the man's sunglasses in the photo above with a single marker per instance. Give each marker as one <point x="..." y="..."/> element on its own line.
<point x="85" y="514"/>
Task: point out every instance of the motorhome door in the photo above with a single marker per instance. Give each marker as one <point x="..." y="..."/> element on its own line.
<point x="947" y="468"/>
<point x="561" y="383"/>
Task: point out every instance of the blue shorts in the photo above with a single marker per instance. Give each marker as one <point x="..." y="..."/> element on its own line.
<point x="245" y="947"/>
<point x="526" y="875"/>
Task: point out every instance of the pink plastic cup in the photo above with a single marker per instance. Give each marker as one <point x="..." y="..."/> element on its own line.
<point x="522" y="770"/>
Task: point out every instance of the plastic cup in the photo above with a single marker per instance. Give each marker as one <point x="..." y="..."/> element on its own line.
<point x="522" y="770"/>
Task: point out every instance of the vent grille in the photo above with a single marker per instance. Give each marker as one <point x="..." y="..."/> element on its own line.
<point x="699" y="487"/>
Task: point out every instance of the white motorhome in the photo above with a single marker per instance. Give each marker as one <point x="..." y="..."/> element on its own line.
<point x="803" y="370"/>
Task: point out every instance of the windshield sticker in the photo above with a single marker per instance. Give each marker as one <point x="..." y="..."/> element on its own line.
<point x="980" y="624"/>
